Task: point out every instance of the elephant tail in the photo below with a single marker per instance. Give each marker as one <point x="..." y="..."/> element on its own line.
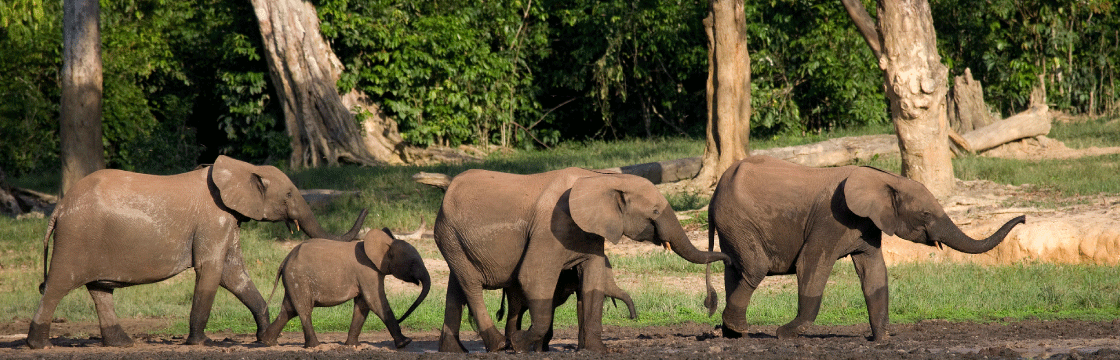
<point x="46" y="248"/>
<point x="711" y="302"/>
<point x="502" y="307"/>
<point x="280" y="271"/>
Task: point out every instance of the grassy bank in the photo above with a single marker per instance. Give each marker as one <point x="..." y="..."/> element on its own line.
<point x="918" y="291"/>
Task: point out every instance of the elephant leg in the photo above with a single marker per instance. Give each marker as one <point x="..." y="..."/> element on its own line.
<point x="812" y="275"/>
<point x="452" y="317"/>
<point x="303" y="308"/>
<point x="380" y="307"/>
<point x="872" y="271"/>
<point x="207" y="278"/>
<point x="39" y="333"/>
<point x="491" y="337"/>
<point x="740" y="288"/>
<point x="539" y="289"/>
<point x="236" y="279"/>
<point x="590" y="305"/>
<point x="515" y="299"/>
<point x="287" y="312"/>
<point x="361" y="310"/>
<point x="112" y="334"/>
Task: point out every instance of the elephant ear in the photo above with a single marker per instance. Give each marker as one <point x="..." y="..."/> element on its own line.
<point x="240" y="186"/>
<point x="872" y="193"/>
<point x="596" y="205"/>
<point x="376" y="245"/>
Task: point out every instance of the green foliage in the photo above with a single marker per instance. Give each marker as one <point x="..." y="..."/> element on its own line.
<point x="1009" y="44"/>
<point x="449" y="72"/>
<point x="29" y="92"/>
<point x="811" y="70"/>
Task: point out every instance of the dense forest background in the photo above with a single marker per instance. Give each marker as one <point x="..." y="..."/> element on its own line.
<point x="186" y="80"/>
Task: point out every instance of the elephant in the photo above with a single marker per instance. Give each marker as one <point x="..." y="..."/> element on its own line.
<point x="498" y="230"/>
<point x="567" y="285"/>
<point x="321" y="273"/>
<point x="116" y="228"/>
<point x="776" y="218"/>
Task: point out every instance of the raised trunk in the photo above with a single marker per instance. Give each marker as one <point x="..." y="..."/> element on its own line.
<point x="426" y="284"/>
<point x="949" y="234"/>
<point x="669" y="230"/>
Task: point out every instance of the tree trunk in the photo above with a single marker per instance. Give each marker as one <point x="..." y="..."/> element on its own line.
<point x="916" y="86"/>
<point x="305" y="72"/>
<point x="729" y="90"/>
<point x="79" y="127"/>
<point x="967" y="109"/>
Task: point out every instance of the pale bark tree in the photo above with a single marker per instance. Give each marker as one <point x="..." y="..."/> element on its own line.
<point x="916" y="83"/>
<point x="79" y="128"/>
<point x="729" y="90"/>
<point x="305" y="72"/>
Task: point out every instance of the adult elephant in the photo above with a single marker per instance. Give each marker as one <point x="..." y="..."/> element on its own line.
<point x="499" y="230"/>
<point x="116" y="228"/>
<point x="778" y="218"/>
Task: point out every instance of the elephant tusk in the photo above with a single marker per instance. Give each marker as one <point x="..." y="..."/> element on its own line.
<point x="940" y="246"/>
<point x="297" y="225"/>
<point x="667" y="246"/>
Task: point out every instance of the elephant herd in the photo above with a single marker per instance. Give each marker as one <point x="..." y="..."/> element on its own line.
<point x="538" y="237"/>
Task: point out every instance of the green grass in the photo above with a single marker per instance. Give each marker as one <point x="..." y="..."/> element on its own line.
<point x="918" y="291"/>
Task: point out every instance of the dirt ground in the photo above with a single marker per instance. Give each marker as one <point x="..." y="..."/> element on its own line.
<point x="935" y="339"/>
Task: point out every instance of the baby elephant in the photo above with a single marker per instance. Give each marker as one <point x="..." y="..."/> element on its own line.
<point x="321" y="272"/>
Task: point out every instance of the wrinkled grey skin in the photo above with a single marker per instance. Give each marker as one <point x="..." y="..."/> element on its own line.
<point x="321" y="273"/>
<point x="776" y="218"/>
<point x="116" y="228"/>
<point x="499" y="230"/>
<point x="568" y="285"/>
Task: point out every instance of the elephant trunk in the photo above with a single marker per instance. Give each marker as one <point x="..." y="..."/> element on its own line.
<point x="426" y="284"/>
<point x="669" y="230"/>
<point x="305" y="220"/>
<point x="949" y="234"/>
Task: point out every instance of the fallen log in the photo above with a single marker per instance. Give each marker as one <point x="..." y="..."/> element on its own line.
<point x="1030" y="123"/>
<point x="833" y="152"/>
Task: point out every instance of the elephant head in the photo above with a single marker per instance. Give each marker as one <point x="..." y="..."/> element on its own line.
<point x="613" y="205"/>
<point x="903" y="207"/>
<point x="264" y="193"/>
<point x="400" y="259"/>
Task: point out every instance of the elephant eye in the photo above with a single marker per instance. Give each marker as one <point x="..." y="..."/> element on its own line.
<point x="656" y="212"/>
<point x="289" y="194"/>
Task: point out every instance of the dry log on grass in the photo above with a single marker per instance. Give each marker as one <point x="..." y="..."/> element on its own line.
<point x="1030" y="123"/>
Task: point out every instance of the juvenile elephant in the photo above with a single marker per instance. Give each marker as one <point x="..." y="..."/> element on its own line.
<point x="569" y="284"/>
<point x="116" y="228"/>
<point x="499" y="230"/>
<point x="321" y="273"/>
<point x="779" y="218"/>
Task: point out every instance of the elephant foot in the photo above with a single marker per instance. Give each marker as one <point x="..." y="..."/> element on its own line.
<point x="881" y="335"/>
<point x="450" y="344"/>
<point x="593" y="346"/>
<point x="311" y="344"/>
<point x="520" y="342"/>
<point x="269" y="342"/>
<point x="196" y="340"/>
<point x="115" y="336"/>
<point x="493" y="340"/>
<point x="729" y="333"/>
<point x="402" y="342"/>
<point x="789" y="331"/>
<point x="38" y="336"/>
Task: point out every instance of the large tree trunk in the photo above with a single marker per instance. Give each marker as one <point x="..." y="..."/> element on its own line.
<point x="915" y="82"/>
<point x="305" y="72"/>
<point x="916" y="86"/>
<point x="729" y="90"/>
<point x="80" y="112"/>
